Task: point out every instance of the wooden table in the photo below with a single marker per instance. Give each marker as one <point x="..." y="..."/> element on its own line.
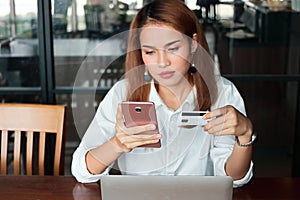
<point x="66" y="187"/>
<point x="269" y="188"/>
<point x="46" y="187"/>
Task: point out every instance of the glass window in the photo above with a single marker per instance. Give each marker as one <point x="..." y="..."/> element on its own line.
<point x="19" y="59"/>
<point x="258" y="39"/>
<point x="258" y="48"/>
<point x="88" y="55"/>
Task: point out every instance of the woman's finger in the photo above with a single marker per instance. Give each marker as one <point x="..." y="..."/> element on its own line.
<point x="130" y="141"/>
<point x="215" y="113"/>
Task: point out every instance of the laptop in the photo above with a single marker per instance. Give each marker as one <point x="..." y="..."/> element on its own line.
<point x="124" y="187"/>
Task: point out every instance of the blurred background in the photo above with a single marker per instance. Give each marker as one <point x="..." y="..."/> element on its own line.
<point x="45" y="44"/>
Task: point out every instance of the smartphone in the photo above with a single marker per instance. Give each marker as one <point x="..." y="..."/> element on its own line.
<point x="140" y="113"/>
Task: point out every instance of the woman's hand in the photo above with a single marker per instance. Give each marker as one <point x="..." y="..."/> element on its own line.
<point x="129" y="138"/>
<point x="228" y="121"/>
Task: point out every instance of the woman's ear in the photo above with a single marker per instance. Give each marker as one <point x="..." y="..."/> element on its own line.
<point x="194" y="43"/>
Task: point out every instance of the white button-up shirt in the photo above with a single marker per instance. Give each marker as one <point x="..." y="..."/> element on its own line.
<point x="184" y="151"/>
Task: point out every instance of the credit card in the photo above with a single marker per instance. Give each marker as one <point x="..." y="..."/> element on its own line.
<point x="192" y="118"/>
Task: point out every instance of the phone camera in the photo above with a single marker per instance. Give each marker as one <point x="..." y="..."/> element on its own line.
<point x="138" y="109"/>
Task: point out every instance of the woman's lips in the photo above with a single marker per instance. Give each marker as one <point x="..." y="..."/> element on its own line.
<point x="166" y="74"/>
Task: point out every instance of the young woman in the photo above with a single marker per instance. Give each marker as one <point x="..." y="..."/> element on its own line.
<point x="167" y="43"/>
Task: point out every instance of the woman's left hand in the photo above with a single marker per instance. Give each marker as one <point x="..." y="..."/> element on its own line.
<point x="228" y="121"/>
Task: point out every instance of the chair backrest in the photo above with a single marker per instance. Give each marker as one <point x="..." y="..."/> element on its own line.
<point x="32" y="121"/>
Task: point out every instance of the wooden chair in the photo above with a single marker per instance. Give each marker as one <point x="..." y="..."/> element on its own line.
<point x="31" y="121"/>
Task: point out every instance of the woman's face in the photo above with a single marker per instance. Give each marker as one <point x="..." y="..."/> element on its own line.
<point x="165" y="53"/>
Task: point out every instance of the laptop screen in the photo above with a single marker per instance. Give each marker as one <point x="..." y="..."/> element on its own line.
<point x="123" y="187"/>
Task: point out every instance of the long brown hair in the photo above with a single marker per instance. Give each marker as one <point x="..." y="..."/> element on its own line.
<point x="176" y="14"/>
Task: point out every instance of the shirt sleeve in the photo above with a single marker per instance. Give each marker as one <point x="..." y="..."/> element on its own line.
<point x="100" y="130"/>
<point x="223" y="145"/>
<point x="79" y="168"/>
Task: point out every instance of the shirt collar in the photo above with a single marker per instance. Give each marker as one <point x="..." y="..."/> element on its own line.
<point x="188" y="104"/>
<point x="154" y="96"/>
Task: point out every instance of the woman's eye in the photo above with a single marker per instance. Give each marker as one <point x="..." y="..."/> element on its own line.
<point x="173" y="49"/>
<point x="149" y="52"/>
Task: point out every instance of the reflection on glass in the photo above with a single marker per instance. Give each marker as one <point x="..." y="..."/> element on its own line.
<point x="19" y="60"/>
<point x="92" y="18"/>
<point x="86" y="104"/>
<point x="84" y="191"/>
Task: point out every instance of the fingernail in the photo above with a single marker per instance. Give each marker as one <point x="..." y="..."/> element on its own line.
<point x="153" y="127"/>
<point x="158" y="136"/>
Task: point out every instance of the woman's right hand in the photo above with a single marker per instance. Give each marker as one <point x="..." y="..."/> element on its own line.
<point x="130" y="138"/>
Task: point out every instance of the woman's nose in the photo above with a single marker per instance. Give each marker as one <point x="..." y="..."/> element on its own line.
<point x="163" y="59"/>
